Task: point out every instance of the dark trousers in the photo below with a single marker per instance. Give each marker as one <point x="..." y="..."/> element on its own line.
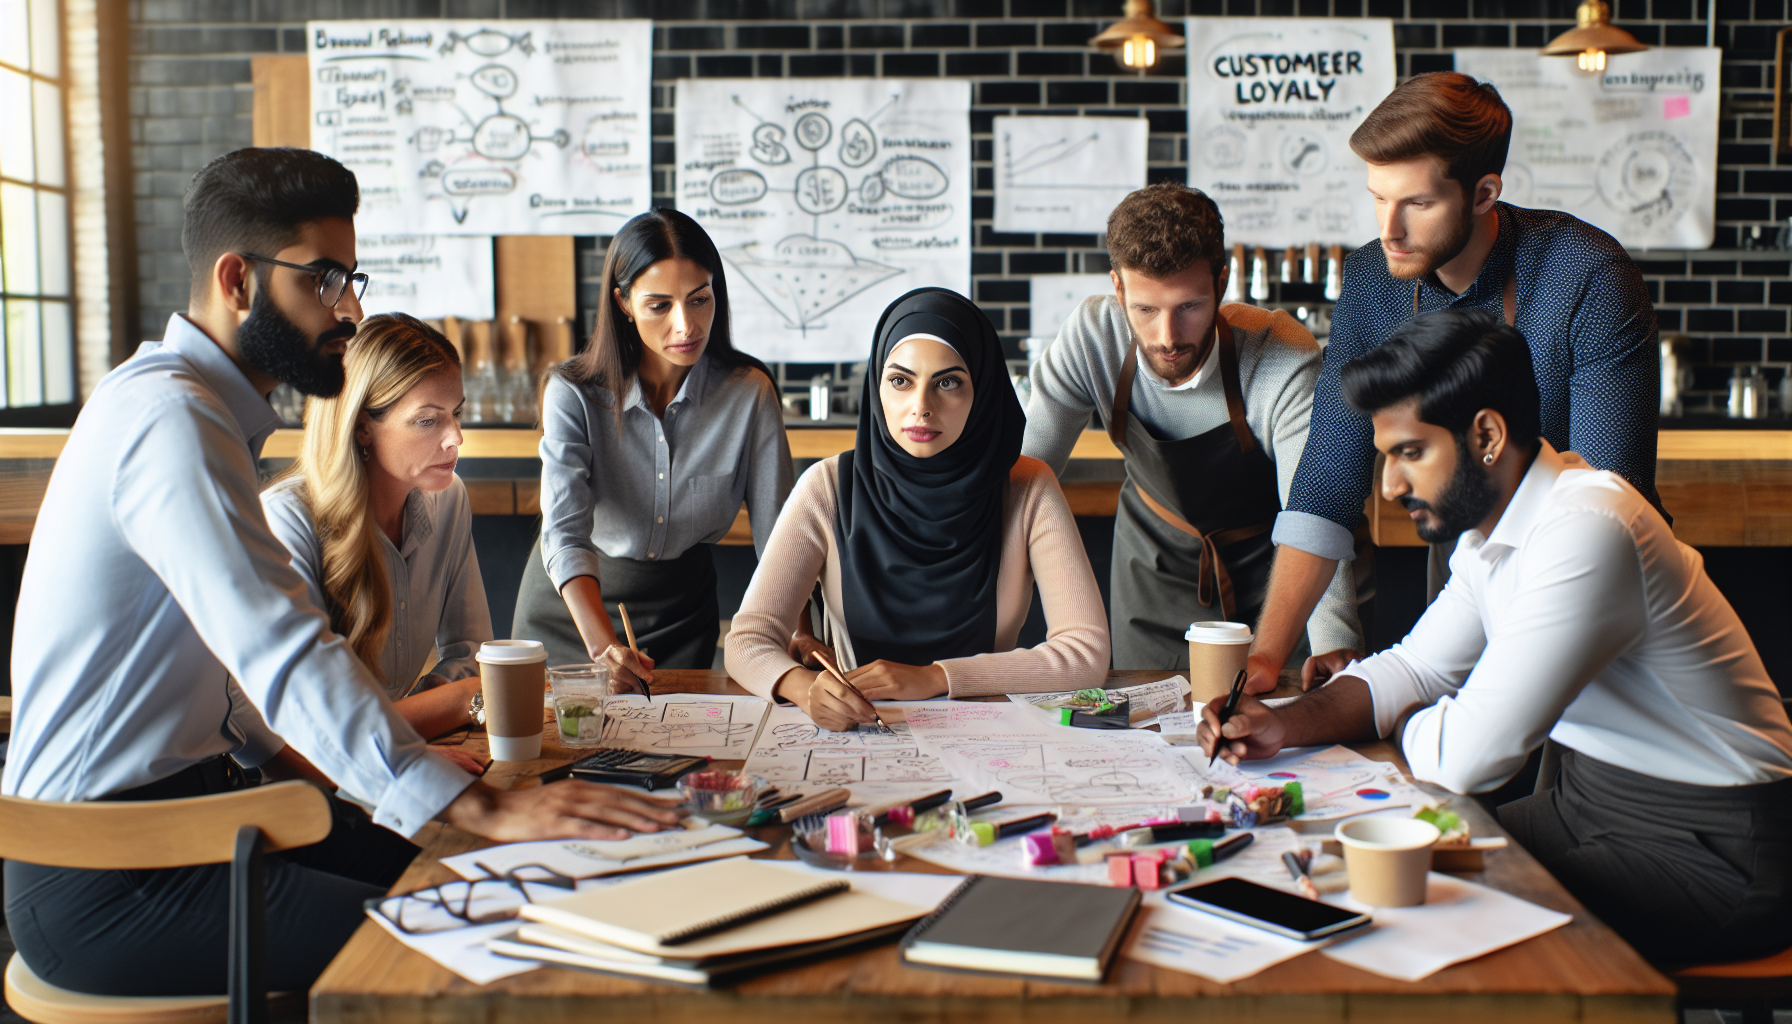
<point x="166" y="931"/>
<point x="1686" y="874"/>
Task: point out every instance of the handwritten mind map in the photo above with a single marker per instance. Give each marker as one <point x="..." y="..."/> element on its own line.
<point x="1271" y="105"/>
<point x="1108" y="768"/>
<point x="469" y="128"/>
<point x="696" y="724"/>
<point x="1066" y="173"/>
<point x="791" y="748"/>
<point x="827" y="200"/>
<point x="1632" y="149"/>
<point x="1335" y="782"/>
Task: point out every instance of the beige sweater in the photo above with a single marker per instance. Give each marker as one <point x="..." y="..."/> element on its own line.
<point x="1039" y="540"/>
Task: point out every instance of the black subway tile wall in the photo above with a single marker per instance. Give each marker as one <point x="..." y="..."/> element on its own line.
<point x="190" y="100"/>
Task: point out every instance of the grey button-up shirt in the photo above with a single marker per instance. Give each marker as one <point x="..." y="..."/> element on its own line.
<point x="153" y="579"/>
<point x="660" y="486"/>
<point x="438" y="598"/>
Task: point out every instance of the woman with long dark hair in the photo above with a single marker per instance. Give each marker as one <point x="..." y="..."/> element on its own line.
<point x="651" y="438"/>
<point x="927" y="540"/>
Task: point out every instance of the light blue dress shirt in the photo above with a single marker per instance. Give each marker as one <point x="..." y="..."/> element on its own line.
<point x="153" y="578"/>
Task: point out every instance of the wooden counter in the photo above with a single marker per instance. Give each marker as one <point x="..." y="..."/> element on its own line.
<point x="1581" y="972"/>
<point x="1725" y="488"/>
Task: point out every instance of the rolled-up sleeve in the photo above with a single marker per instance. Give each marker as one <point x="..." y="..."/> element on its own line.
<point x="194" y="518"/>
<point x="567" y="551"/>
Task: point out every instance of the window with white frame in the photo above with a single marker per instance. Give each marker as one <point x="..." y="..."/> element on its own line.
<point x="36" y="314"/>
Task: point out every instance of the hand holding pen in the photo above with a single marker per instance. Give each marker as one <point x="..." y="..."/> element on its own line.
<point x="827" y="664"/>
<point x="1226" y="712"/>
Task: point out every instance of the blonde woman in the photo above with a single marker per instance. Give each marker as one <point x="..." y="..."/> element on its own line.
<point x="379" y="526"/>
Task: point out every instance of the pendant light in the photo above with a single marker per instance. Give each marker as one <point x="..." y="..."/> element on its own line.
<point x="1592" y="38"/>
<point x="1139" y="37"/>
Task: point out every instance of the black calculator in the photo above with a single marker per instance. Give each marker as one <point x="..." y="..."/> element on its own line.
<point x="628" y="768"/>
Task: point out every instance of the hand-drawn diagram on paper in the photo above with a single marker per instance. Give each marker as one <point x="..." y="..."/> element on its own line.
<point x="427" y="276"/>
<point x="697" y="724"/>
<point x="464" y="127"/>
<point x="1271" y="105"/>
<point x="1066" y="173"/>
<point x="1632" y="149"/>
<point x="827" y="199"/>
<point x="1335" y="782"/>
<point x="1108" y="768"/>
<point x="791" y="748"/>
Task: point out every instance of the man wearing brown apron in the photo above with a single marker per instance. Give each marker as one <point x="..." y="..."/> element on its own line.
<point x="1209" y="407"/>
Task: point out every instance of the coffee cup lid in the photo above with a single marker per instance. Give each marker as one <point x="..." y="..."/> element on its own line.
<point x="512" y="652"/>
<point x="1219" y="632"/>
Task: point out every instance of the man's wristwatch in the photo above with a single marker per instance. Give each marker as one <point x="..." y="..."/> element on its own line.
<point x="476" y="707"/>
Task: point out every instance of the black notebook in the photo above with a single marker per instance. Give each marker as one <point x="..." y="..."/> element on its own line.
<point x="1019" y="926"/>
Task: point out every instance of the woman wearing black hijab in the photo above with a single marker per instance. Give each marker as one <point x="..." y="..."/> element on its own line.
<point x="926" y="540"/>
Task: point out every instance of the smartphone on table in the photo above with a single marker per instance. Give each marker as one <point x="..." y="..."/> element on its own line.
<point x="1272" y="910"/>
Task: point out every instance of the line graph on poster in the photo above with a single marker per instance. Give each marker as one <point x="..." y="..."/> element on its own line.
<point x="1066" y="173"/>
<point x="824" y="202"/>
<point x="458" y="127"/>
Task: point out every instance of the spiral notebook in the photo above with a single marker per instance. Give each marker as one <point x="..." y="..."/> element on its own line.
<point x="719" y="909"/>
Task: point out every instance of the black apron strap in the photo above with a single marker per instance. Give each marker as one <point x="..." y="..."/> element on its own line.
<point x="1229" y="377"/>
<point x="1122" y="405"/>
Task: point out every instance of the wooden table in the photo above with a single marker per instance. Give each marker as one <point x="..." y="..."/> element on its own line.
<point x="1582" y="972"/>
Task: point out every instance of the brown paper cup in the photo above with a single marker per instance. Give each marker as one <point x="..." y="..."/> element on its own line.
<point x="1216" y="652"/>
<point x="512" y="675"/>
<point x="1387" y="859"/>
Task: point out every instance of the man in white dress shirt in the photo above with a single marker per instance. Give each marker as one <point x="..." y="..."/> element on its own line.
<point x="152" y="580"/>
<point x="1571" y="614"/>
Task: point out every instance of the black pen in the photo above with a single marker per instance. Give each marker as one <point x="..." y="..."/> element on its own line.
<point x="1226" y="710"/>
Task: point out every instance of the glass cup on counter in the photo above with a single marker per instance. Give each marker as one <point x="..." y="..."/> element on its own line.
<point x="579" y="692"/>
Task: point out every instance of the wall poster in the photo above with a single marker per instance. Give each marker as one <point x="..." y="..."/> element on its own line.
<point x="1066" y="174"/>
<point x="475" y="128"/>
<point x="1632" y="149"/>
<point x="1271" y="105"/>
<point x="827" y="198"/>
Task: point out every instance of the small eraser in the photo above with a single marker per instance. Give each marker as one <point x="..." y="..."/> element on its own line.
<point x="1145" y="871"/>
<point x="1120" y="869"/>
<point x="843" y="834"/>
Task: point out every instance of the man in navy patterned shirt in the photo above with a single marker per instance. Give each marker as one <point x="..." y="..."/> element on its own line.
<point x="1435" y="148"/>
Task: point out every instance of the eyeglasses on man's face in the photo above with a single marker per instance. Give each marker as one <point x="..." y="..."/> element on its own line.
<point x="333" y="281"/>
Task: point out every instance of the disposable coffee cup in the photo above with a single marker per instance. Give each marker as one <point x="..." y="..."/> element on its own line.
<point x="1216" y="653"/>
<point x="1387" y="859"/>
<point x="512" y="674"/>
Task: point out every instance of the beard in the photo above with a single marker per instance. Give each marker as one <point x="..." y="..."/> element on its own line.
<point x="276" y="346"/>
<point x="1464" y="504"/>
<point x="1428" y="259"/>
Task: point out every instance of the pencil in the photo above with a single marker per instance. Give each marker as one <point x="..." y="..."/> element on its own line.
<point x="629" y="628"/>
<point x="829" y="665"/>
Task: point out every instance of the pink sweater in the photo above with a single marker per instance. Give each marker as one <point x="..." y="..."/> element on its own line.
<point x="1039" y="540"/>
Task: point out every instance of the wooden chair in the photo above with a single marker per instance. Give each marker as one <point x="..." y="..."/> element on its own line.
<point x="234" y="828"/>
<point x="1752" y="986"/>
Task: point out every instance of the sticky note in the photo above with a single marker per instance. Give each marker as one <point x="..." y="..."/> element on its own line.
<point x="1676" y="106"/>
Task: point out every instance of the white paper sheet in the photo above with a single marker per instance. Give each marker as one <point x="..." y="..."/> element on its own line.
<point x="1185" y="939"/>
<point x="1271" y="105"/>
<point x="586" y="858"/>
<point x="487" y="128"/>
<point x="978" y="720"/>
<point x="1632" y="150"/>
<point x="462" y="948"/>
<point x="1336" y="782"/>
<point x="791" y="748"/>
<point x="828" y="198"/>
<point x="1119" y="766"/>
<point x="427" y="276"/>
<point x="917" y="889"/>
<point x="691" y="724"/>
<point x="1066" y="173"/>
<point x="1148" y="700"/>
<point x="1459" y="921"/>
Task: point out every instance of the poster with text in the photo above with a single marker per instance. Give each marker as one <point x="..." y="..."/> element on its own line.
<point x="828" y="198"/>
<point x="427" y="276"/>
<point x="1271" y="105"/>
<point x="1066" y="174"/>
<point x="476" y="128"/>
<point x="1632" y="149"/>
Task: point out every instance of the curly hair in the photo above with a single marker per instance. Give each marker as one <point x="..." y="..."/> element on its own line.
<point x="1166" y="228"/>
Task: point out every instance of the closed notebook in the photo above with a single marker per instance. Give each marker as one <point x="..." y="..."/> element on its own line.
<point x="719" y="909"/>
<point x="1022" y="926"/>
<point x="541" y="942"/>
